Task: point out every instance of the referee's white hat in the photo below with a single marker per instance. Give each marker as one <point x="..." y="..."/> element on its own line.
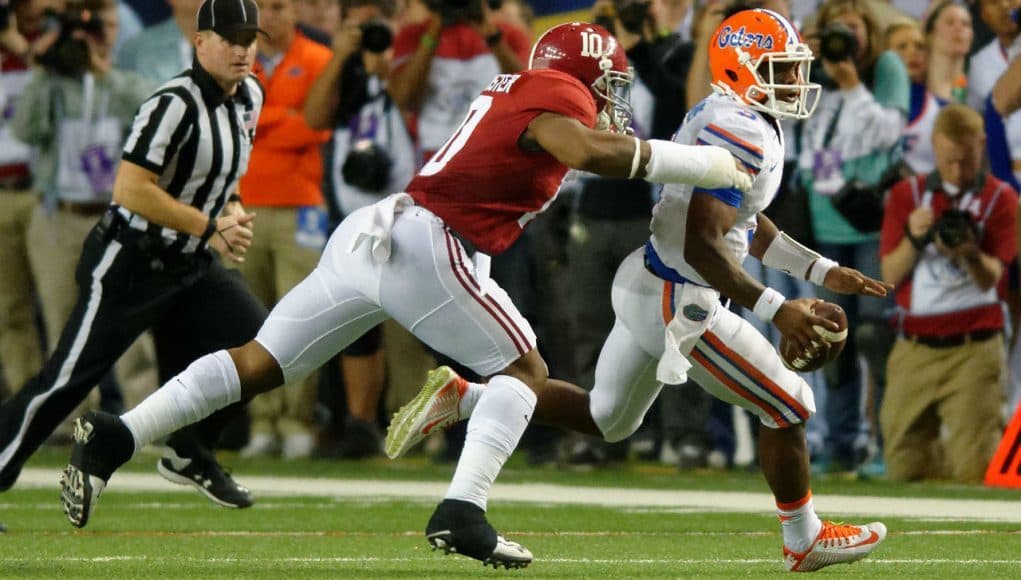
<point x="227" y="17"/>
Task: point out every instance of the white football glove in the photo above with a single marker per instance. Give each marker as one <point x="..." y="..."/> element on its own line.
<point x="722" y="170"/>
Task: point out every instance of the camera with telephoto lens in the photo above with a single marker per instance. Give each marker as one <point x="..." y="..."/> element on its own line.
<point x="69" y="56"/>
<point x="837" y="42"/>
<point x="376" y="36"/>
<point x="954" y="227"/>
<point x="367" y="167"/>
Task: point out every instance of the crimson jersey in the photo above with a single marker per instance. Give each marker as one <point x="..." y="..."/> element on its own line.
<point x="480" y="182"/>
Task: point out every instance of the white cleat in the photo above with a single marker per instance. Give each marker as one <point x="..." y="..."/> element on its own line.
<point x="836" y="544"/>
<point x="434" y="408"/>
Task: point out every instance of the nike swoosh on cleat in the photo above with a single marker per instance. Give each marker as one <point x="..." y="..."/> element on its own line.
<point x="872" y="539"/>
<point x="429" y="427"/>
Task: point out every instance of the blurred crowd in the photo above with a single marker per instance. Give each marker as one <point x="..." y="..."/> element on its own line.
<point x="908" y="170"/>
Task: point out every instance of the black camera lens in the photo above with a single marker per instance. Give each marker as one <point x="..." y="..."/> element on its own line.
<point x="838" y="43"/>
<point x="376" y="37"/>
<point x="953" y="227"/>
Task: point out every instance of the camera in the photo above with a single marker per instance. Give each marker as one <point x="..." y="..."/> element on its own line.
<point x="954" y="227"/>
<point x="376" y="37"/>
<point x="633" y="14"/>
<point x="69" y="56"/>
<point x="862" y="204"/>
<point x="367" y="167"/>
<point x="837" y="42"/>
<point x="454" y="9"/>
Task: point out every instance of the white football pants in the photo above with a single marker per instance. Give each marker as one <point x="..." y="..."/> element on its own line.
<point x="731" y="360"/>
<point x="428" y="285"/>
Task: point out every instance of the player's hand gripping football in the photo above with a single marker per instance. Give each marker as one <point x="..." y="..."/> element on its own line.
<point x="795" y="320"/>
<point x="844" y="280"/>
<point x="233" y="236"/>
<point x="722" y="170"/>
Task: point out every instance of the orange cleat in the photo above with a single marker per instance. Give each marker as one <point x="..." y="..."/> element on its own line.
<point x="836" y="544"/>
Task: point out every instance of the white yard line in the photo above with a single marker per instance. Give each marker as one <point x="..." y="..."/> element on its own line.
<point x="722" y="501"/>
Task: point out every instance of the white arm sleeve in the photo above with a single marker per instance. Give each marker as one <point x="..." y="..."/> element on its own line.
<point x="701" y="165"/>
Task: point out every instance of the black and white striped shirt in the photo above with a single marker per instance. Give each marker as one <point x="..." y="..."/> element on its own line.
<point x="198" y="140"/>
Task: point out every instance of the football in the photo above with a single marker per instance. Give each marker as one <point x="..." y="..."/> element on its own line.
<point x="805" y="362"/>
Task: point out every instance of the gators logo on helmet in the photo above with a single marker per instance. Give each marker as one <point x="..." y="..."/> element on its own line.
<point x="758" y="56"/>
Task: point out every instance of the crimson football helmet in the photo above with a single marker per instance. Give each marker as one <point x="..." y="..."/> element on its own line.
<point x="592" y="55"/>
<point x="743" y="57"/>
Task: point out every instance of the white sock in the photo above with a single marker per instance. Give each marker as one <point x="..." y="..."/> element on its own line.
<point x="206" y="386"/>
<point x="799" y="522"/>
<point x="469" y="399"/>
<point x="504" y="408"/>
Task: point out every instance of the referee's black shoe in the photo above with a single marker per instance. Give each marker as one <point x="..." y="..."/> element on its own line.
<point x="206" y="475"/>
<point x="102" y="443"/>
<point x="460" y="527"/>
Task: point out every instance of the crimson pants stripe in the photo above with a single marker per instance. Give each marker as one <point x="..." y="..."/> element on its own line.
<point x="464" y="277"/>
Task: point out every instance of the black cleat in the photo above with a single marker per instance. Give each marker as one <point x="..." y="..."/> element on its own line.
<point x="102" y="443"/>
<point x="460" y="527"/>
<point x="207" y="476"/>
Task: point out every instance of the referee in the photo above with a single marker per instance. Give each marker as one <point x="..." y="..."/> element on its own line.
<point x="147" y="263"/>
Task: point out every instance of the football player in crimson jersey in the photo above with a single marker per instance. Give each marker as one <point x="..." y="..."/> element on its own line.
<point x="666" y="297"/>
<point x="405" y="258"/>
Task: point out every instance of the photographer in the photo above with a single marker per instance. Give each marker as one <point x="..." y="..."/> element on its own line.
<point x="847" y="148"/>
<point x="372" y="154"/>
<point x="75" y="111"/>
<point x="946" y="242"/>
<point x="21" y="23"/>
<point x="441" y="64"/>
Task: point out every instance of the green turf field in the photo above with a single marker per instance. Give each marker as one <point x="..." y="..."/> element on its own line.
<point x="181" y="535"/>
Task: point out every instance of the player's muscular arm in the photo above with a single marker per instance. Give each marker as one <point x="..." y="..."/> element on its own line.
<point x="614" y="155"/>
<point x="765" y="233"/>
<point x="580" y="147"/>
<point x="709" y="220"/>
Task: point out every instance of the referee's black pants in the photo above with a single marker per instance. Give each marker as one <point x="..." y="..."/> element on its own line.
<point x="129" y="283"/>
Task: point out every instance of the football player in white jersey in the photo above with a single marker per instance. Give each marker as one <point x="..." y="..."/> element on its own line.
<point x="670" y="322"/>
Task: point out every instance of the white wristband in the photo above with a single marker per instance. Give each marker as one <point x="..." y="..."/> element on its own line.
<point x="768" y="304"/>
<point x="636" y="160"/>
<point x="817" y="272"/>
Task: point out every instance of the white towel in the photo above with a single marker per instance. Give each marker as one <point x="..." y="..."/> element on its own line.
<point x="696" y="308"/>
<point x="375" y="224"/>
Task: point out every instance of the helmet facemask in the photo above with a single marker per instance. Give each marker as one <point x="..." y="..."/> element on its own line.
<point x="763" y="94"/>
<point x="613" y="89"/>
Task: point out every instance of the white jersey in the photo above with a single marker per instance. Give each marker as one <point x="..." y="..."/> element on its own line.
<point x="756" y="141"/>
